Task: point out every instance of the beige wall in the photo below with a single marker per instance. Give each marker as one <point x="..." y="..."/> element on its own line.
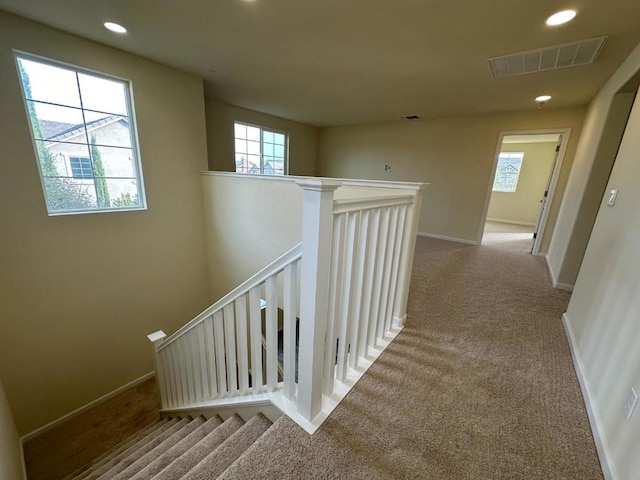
<point x="79" y="293"/>
<point x="603" y="312"/>
<point x="303" y="138"/>
<point x="10" y="454"/>
<point x="262" y="219"/>
<point x="604" y="154"/>
<point x="454" y="154"/>
<point x="523" y="205"/>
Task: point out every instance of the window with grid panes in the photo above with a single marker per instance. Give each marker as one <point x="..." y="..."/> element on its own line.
<point x="84" y="137"/>
<point x="260" y="150"/>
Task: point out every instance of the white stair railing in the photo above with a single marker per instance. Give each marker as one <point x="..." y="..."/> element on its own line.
<point x="347" y="286"/>
<point x="219" y="353"/>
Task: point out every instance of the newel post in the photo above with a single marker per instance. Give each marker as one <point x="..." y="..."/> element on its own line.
<point x="317" y="223"/>
<point x="156" y="338"/>
<point x="406" y="259"/>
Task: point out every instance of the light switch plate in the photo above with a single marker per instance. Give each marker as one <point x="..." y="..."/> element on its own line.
<point x="630" y="404"/>
<point x="613" y="194"/>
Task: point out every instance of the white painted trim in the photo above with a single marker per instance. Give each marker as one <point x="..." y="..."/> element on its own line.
<point x="555" y="175"/>
<point x="78" y="411"/>
<point x="352" y="182"/>
<point x="511" y="222"/>
<point x="450" y="239"/>
<point x="602" y="446"/>
<point x="554" y="283"/>
<point x="564" y="286"/>
<point x="340" y="389"/>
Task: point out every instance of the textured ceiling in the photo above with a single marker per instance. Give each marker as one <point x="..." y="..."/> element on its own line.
<point x="337" y="62"/>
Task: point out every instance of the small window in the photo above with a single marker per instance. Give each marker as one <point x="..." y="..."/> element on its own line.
<point x="259" y="150"/>
<point x="84" y="136"/>
<point x="81" y="167"/>
<point x="508" y="171"/>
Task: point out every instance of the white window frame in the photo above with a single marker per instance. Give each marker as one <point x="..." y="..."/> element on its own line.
<point x="133" y="131"/>
<point x="516" y="155"/>
<point x="262" y="130"/>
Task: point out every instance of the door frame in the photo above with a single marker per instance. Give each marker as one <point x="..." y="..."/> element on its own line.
<point x="555" y="175"/>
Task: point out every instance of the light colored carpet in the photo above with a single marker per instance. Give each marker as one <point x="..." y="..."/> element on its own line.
<point x="507" y="236"/>
<point x="479" y="385"/>
<point x="64" y="449"/>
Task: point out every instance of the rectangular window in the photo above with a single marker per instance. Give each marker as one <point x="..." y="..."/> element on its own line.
<point x="259" y="150"/>
<point x="81" y="167"/>
<point x="85" y="137"/>
<point x="508" y="171"/>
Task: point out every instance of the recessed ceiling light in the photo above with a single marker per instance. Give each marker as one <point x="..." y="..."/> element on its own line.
<point x="561" y="17"/>
<point x="543" y="98"/>
<point x="114" y="27"/>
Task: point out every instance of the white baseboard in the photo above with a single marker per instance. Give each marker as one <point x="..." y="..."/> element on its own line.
<point x="602" y="446"/>
<point x="512" y="222"/>
<point x="560" y="286"/>
<point x="84" y="408"/>
<point x="450" y="239"/>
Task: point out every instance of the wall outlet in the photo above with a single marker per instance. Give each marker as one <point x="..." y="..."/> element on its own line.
<point x="630" y="404"/>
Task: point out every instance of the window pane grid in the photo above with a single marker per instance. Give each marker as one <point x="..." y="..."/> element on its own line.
<point x="86" y="155"/>
<point x="508" y="171"/>
<point x="259" y="151"/>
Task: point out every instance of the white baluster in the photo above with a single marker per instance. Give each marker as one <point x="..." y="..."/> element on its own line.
<point x="176" y="384"/>
<point x="382" y="286"/>
<point x="230" y="345"/>
<point x="255" y="324"/>
<point x="289" y="340"/>
<point x="377" y="257"/>
<point x="371" y="233"/>
<point x="395" y="263"/>
<point x="316" y="240"/>
<point x="386" y="280"/>
<point x="182" y="370"/>
<point x="218" y="335"/>
<point x="271" y="333"/>
<point x="335" y="281"/>
<point x="197" y="355"/>
<point x="364" y="281"/>
<point x="347" y="295"/>
<point x="406" y="259"/>
<point x="355" y="318"/>
<point x="210" y="350"/>
<point x="243" y="347"/>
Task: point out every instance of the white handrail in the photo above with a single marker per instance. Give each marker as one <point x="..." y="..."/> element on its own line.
<point x="274" y="267"/>
<point x="338" y="297"/>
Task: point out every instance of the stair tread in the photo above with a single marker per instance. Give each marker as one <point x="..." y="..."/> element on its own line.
<point x="216" y="462"/>
<point x="127" y="450"/>
<point x="178" y="449"/>
<point x="152" y="454"/>
<point x="116" y="465"/>
<point x="201" y="449"/>
<point x="119" y="447"/>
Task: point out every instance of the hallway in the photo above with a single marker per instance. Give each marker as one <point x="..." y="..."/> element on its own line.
<point x="479" y="385"/>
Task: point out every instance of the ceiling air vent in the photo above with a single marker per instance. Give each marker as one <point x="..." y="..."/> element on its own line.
<point x="583" y="52"/>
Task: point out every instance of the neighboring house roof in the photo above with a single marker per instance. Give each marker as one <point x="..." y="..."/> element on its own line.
<point x="59" y="131"/>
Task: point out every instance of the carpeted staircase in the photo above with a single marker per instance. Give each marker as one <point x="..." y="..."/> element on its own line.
<point x="172" y="449"/>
